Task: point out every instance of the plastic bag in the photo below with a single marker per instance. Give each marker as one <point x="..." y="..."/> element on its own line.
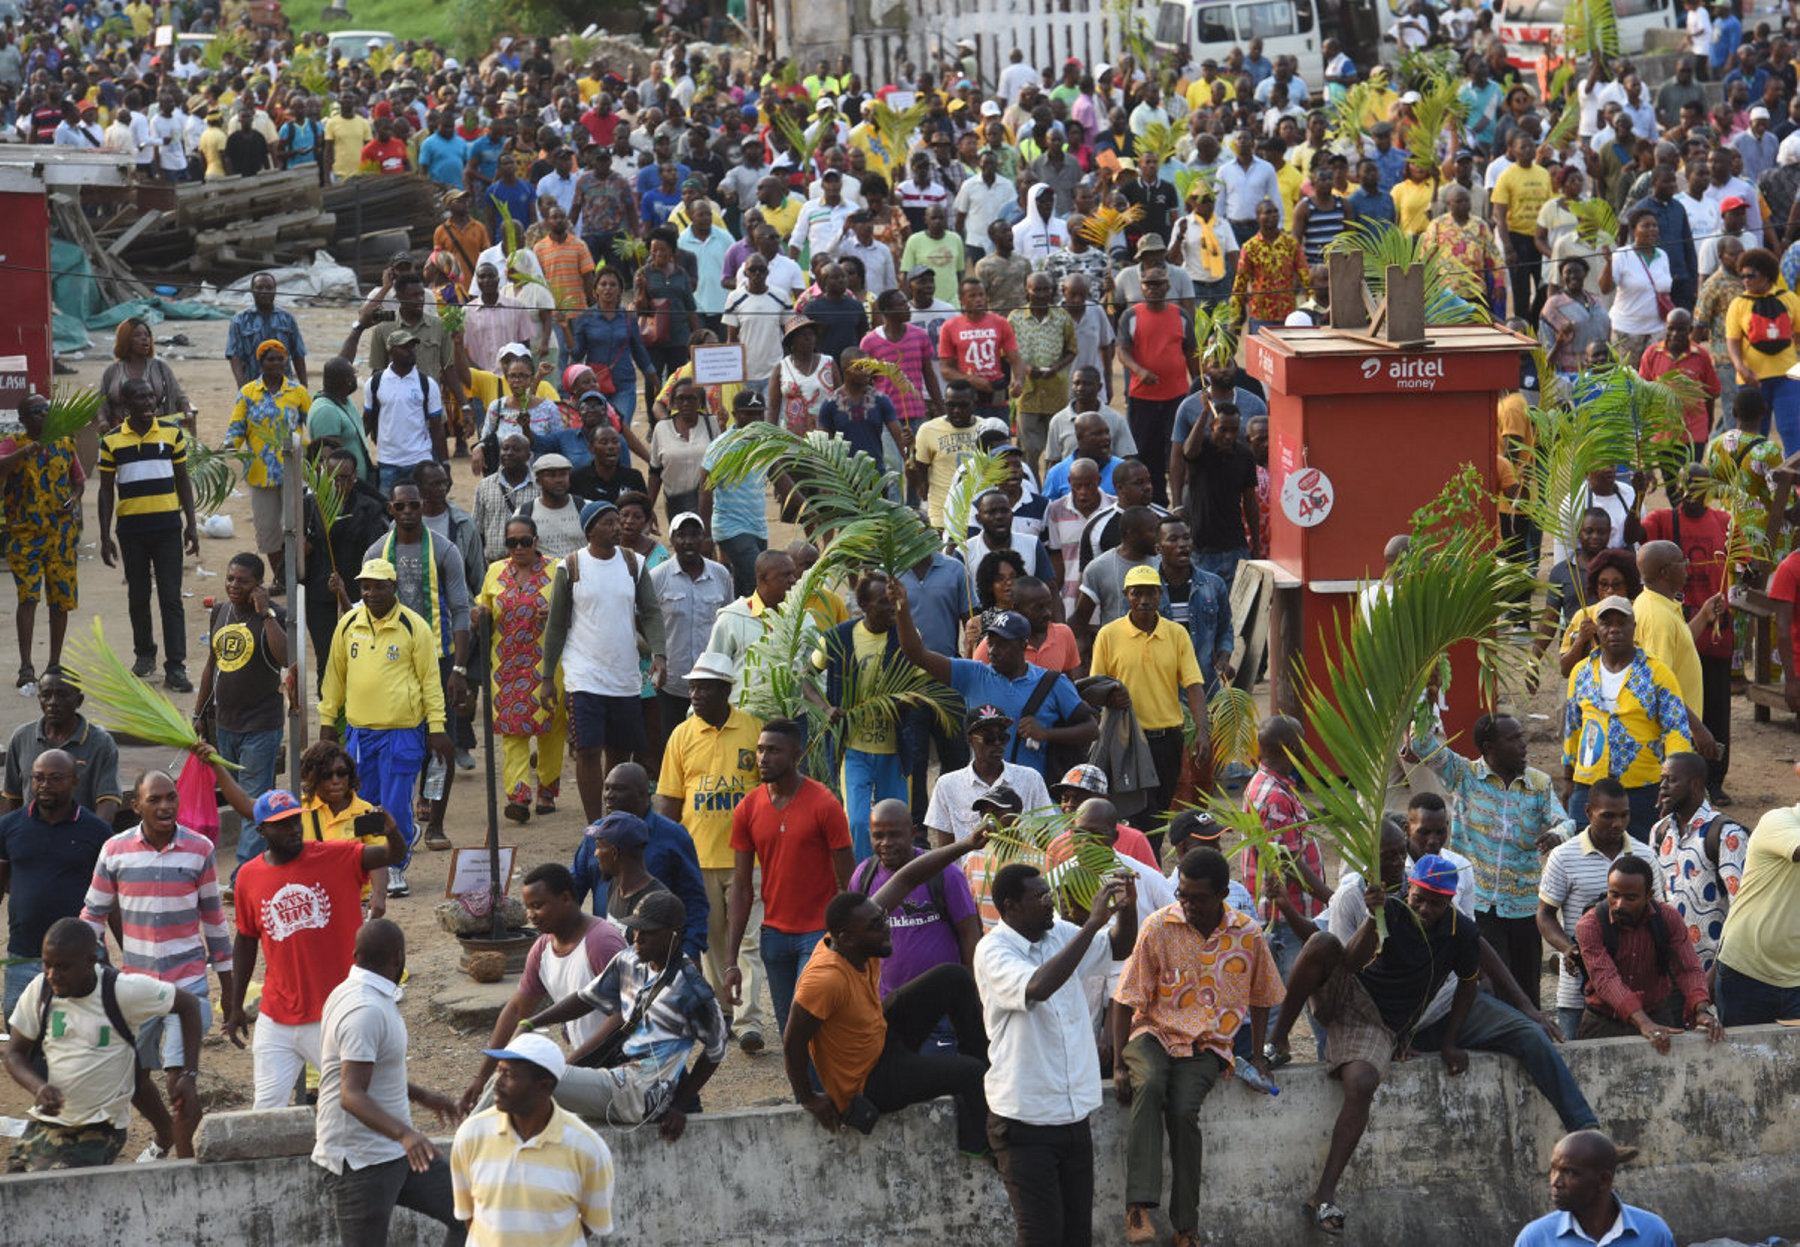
<point x="198" y="799"/>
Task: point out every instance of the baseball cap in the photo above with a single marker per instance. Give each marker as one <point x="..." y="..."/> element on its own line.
<point x="620" y="829"/>
<point x="920" y="270"/>
<point x="551" y="462"/>
<point x="1008" y="626"/>
<point x="1143" y="576"/>
<point x="986" y="716"/>
<point x="1001" y="799"/>
<point x="1087" y="777"/>
<point x="377" y="569"/>
<point x="1152" y="242"/>
<point x="593" y="511"/>
<point x="1734" y="201"/>
<point x="275" y="805"/>
<point x="591" y="396"/>
<point x="832" y="173"/>
<point x="1434" y="874"/>
<point x="660" y="911"/>
<point x="990" y="108"/>
<point x="676" y="523"/>
<point x="538" y="1050"/>
<point x="403" y="337"/>
<point x="1195" y="825"/>
<point x="1614" y="603"/>
<point x="1411" y="97"/>
<point x="1759" y="112"/>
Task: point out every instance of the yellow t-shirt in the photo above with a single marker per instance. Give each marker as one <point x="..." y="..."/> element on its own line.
<point x="709" y="770"/>
<point x="212" y="147"/>
<point x="1290" y="179"/>
<point x="1663" y="634"/>
<point x="1522" y="192"/>
<point x="1200" y="93"/>
<point x="1412" y="204"/>
<point x="942" y="447"/>
<point x="323" y="825"/>
<point x="1737" y="327"/>
<point x="1761" y="938"/>
<point x="782" y="219"/>
<point x="347" y="136"/>
<point x="1153" y="666"/>
<point x="871" y="648"/>
<point x="486" y="387"/>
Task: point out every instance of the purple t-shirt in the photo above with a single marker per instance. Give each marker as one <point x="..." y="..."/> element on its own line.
<point x="922" y="939"/>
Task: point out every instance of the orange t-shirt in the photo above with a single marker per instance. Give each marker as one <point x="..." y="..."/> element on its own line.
<point x="1059" y="652"/>
<point x="848" y="1002"/>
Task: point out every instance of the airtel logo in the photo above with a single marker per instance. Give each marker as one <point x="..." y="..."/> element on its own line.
<point x="1411" y="373"/>
<point x="1370" y="367"/>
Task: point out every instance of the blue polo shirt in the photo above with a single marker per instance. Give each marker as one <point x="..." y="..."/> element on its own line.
<point x="443" y="158"/>
<point x="1560" y="1229"/>
<point x="1056" y="480"/>
<point x="52" y="865"/>
<point x="981" y="685"/>
<point x="940" y="601"/>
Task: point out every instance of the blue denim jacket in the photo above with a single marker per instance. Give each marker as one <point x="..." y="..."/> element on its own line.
<point x="1209" y="618"/>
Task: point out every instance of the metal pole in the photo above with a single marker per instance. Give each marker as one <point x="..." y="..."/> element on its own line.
<point x="293" y="498"/>
<point x="496" y="885"/>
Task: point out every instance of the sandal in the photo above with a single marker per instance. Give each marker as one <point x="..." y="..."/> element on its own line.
<point x="27" y="676"/>
<point x="1327" y="1218"/>
<point x="1277" y="1057"/>
<point x="545" y="806"/>
<point x="516" y="811"/>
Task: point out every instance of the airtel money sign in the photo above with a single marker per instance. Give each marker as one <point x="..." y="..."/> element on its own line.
<point x="1405" y="372"/>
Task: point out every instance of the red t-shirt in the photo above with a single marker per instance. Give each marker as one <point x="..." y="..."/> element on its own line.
<point x="388" y="157"/>
<point x="793" y="846"/>
<point x="979" y="350"/>
<point x="1697" y="365"/>
<point x="1160" y="342"/>
<point x="1784" y="586"/>
<point x="1703" y="541"/>
<point x="306" y="915"/>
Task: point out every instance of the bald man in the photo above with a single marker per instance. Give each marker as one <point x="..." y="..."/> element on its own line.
<point x="365" y="1140"/>
<point x="47" y="855"/>
<point x="1663" y="631"/>
<point x="1581" y="1189"/>
<point x="937" y="922"/>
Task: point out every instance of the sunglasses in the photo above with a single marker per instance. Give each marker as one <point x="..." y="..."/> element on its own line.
<point x="520" y="543"/>
<point x="336" y="772"/>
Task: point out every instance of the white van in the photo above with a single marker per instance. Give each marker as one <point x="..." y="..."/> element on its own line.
<point x="1533" y="29"/>
<point x="1211" y="28"/>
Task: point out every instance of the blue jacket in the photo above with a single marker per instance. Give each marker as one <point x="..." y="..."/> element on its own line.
<point x="1209" y="619"/>
<point x="670" y="857"/>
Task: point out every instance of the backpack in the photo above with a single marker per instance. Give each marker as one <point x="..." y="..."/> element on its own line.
<point x="1769" y="328"/>
<point x="1714" y="830"/>
<point x="861" y="882"/>
<point x="109" y="1000"/>
<point x="1609" y="935"/>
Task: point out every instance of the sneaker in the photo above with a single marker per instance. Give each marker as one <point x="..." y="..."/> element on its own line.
<point x="397" y="883"/>
<point x="750" y="1041"/>
<point x="1187" y="1238"/>
<point x="175" y="679"/>
<point x="436" y="841"/>
<point x="465" y="761"/>
<point x="155" y="1151"/>
<point x="145" y="664"/>
<point x="1137" y="1226"/>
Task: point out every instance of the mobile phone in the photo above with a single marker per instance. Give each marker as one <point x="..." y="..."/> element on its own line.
<point x="862" y="1114"/>
<point x="374" y="823"/>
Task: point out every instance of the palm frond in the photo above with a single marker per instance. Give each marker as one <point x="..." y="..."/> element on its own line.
<point x="1590" y="26"/>
<point x="802" y="143"/>
<point x="119" y="701"/>
<point x="1382" y="244"/>
<point x="1106" y="222"/>
<point x="1737" y="491"/>
<point x="1439" y="108"/>
<point x="1076" y="864"/>
<point x="452" y="317"/>
<point x="630" y="248"/>
<point x="71" y="411"/>
<point x="1157" y="140"/>
<point x="896" y="129"/>
<point x="780" y="680"/>
<point x="1349" y="111"/>
<point x="891" y="537"/>
<point x="509" y="231"/>
<point x="874" y="696"/>
<point x="1566" y="123"/>
<point x="1560" y="80"/>
<point x="832" y="484"/>
<point x="1232" y="722"/>
<point x="224" y="43"/>
<point x="981" y="472"/>
<point x="1596" y="222"/>
<point x="871" y="370"/>
<point x="213" y="474"/>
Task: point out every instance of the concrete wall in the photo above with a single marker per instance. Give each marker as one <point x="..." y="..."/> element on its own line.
<point x="1446" y="1161"/>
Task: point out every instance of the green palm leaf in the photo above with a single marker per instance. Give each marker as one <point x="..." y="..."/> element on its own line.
<point x="119" y="701"/>
<point x="891" y="537"/>
<point x="1076" y="878"/>
<point x="1381" y="244"/>
<point x="1157" y="140"/>
<point x="897" y="128"/>
<point x="804" y="144"/>
<point x="71" y="411"/>
<point x="981" y="472"/>
<point x="1349" y="108"/>
<point x="214" y="474"/>
<point x="1232" y="721"/>
<point x="1438" y="109"/>
<point x="873" y="697"/>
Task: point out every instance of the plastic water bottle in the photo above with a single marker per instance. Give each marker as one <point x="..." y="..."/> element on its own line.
<point x="434" y="779"/>
<point x="1252" y="1077"/>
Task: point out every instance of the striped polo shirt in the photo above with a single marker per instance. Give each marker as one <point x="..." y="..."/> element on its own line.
<point x="168" y="901"/>
<point x="543" y="1190"/>
<point x="144" y="472"/>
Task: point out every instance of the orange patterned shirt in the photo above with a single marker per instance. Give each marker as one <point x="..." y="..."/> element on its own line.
<point x="1193" y="991"/>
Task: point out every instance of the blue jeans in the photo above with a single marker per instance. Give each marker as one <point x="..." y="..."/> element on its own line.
<point x="1285" y="946"/>
<point x="1643" y="810"/>
<point x="257" y="753"/>
<point x="739" y="555"/>
<point x="18" y="978"/>
<point x="869" y="778"/>
<point x="1568" y="1021"/>
<point x="1495" y="1026"/>
<point x="388" y="762"/>
<point x="1783" y="395"/>
<point x="624" y="400"/>
<point x="1221" y="563"/>
<point x="392" y="474"/>
<point x="1743" y="1001"/>
<point x="784" y="956"/>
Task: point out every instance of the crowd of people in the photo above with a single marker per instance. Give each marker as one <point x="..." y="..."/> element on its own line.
<point x="966" y="284"/>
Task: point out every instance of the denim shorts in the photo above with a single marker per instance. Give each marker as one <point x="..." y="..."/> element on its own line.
<point x="159" y="1039"/>
<point x="597" y="721"/>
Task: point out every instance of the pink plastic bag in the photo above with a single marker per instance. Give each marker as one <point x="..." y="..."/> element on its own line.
<point x="198" y="799"/>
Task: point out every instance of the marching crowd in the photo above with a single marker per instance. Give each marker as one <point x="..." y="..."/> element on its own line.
<point x="1003" y="272"/>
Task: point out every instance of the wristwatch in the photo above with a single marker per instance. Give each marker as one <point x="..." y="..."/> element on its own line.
<point x="459" y="671"/>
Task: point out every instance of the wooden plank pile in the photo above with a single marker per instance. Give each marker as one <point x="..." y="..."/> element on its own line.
<point x="113" y="279"/>
<point x="378" y="216"/>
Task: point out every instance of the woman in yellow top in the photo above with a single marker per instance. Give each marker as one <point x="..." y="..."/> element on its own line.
<point x="515" y="604"/>
<point x="1759" y="336"/>
<point x="1412" y="198"/>
<point x="269" y="411"/>
<point x="330" y="807"/>
<point x="1610" y="573"/>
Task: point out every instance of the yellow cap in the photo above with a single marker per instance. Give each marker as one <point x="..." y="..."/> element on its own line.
<point x="377" y="569"/>
<point x="1142" y="576"/>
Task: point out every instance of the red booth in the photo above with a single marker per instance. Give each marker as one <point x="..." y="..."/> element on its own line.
<point x="1360" y="436"/>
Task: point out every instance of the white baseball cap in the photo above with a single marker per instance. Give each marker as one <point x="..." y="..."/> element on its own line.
<point x="539" y="1050"/>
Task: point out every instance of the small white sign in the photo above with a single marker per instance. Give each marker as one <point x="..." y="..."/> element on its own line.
<point x="469" y="875"/>
<point x="165" y="36"/>
<point x="900" y="101"/>
<point x="1307" y="496"/>
<point x="719" y="365"/>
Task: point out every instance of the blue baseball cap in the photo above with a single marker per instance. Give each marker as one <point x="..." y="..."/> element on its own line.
<point x="275" y="805"/>
<point x="621" y="830"/>
<point x="1009" y="626"/>
<point x="593" y="511"/>
<point x="1434" y="874"/>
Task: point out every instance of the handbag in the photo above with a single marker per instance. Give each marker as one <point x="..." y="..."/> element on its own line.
<point x="653" y="326"/>
<point x="1664" y="303"/>
<point x="603" y="373"/>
